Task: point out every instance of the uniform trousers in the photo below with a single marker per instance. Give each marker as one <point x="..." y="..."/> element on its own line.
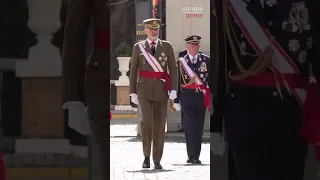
<point x="153" y="126"/>
<point x="263" y="132"/>
<point x="192" y="105"/>
<point x="98" y="103"/>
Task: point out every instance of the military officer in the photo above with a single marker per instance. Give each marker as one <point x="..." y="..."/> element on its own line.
<point x="88" y="83"/>
<point x="194" y="95"/>
<point x="263" y="80"/>
<point x="182" y="54"/>
<point x="153" y="74"/>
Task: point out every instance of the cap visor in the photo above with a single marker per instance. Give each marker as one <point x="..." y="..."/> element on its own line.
<point x="153" y="27"/>
<point x="193" y="42"/>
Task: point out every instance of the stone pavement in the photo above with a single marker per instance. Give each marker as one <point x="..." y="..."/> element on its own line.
<point x="126" y="157"/>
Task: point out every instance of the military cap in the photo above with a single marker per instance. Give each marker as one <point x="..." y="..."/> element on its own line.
<point x="152" y="23"/>
<point x="193" y="39"/>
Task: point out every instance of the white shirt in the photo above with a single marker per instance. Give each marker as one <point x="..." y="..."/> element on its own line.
<point x="191" y="57"/>
<point x="156" y="41"/>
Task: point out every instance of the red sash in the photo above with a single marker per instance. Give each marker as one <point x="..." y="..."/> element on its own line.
<point x="102" y="38"/>
<point x="2" y="168"/>
<point x="158" y="75"/>
<point x="198" y="84"/>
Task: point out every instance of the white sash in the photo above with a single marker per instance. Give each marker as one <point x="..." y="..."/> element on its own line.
<point x="190" y="72"/>
<point x="151" y="60"/>
<point x="260" y="38"/>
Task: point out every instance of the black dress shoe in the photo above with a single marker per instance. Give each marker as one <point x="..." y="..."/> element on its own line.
<point x="196" y="161"/>
<point x="189" y="160"/>
<point x="146" y="163"/>
<point x="157" y="166"/>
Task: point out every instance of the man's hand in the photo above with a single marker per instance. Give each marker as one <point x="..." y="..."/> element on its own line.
<point x="217" y="144"/>
<point x="173" y="95"/>
<point x="134" y="98"/>
<point x="78" y="118"/>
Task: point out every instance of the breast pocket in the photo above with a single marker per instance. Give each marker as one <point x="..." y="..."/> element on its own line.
<point x="144" y="88"/>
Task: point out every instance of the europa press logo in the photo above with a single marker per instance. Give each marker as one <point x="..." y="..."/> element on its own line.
<point x="192" y="12"/>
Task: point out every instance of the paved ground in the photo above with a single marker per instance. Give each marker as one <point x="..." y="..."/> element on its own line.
<point x="126" y="159"/>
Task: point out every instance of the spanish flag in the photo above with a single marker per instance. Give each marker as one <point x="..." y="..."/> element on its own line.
<point x="155" y="4"/>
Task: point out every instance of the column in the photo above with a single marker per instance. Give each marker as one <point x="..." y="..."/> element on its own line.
<point x="42" y="115"/>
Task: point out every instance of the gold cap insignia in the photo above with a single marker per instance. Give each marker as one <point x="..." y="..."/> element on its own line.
<point x="154" y="22"/>
<point x="195" y="38"/>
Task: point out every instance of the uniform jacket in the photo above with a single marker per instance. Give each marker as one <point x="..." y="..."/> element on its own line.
<point x="292" y="23"/>
<point x="201" y="68"/>
<point x="81" y="14"/>
<point x="149" y="88"/>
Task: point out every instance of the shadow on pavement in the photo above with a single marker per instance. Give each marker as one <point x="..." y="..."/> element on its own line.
<point x="167" y="139"/>
<point x="190" y="164"/>
<point x="150" y="171"/>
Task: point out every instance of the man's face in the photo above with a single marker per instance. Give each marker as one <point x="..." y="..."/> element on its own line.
<point x="193" y="48"/>
<point x="153" y="34"/>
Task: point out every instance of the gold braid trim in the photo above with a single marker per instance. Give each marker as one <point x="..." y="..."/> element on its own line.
<point x="264" y="60"/>
<point x="192" y="80"/>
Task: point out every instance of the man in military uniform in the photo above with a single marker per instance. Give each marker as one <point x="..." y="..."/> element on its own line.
<point x="88" y="83"/>
<point x="153" y="74"/>
<point x="265" y="48"/>
<point x="193" y="95"/>
<point x="182" y="54"/>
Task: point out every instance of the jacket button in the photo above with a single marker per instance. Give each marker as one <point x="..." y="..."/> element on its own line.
<point x="232" y="95"/>
<point x="95" y="63"/>
<point x="275" y="93"/>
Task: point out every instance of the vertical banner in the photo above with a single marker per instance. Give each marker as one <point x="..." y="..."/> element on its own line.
<point x="155" y="6"/>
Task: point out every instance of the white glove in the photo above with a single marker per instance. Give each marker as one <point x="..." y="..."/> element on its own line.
<point x="78" y="118"/>
<point x="177" y="106"/>
<point x="173" y="95"/>
<point x="217" y="144"/>
<point x="134" y="98"/>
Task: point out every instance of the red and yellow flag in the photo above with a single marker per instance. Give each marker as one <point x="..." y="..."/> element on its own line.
<point x="155" y="7"/>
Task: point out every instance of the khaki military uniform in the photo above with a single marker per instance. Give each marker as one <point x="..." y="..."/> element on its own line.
<point x="89" y="81"/>
<point x="152" y="95"/>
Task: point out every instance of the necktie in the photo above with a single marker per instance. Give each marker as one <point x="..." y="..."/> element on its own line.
<point x="153" y="48"/>
<point x="193" y="60"/>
